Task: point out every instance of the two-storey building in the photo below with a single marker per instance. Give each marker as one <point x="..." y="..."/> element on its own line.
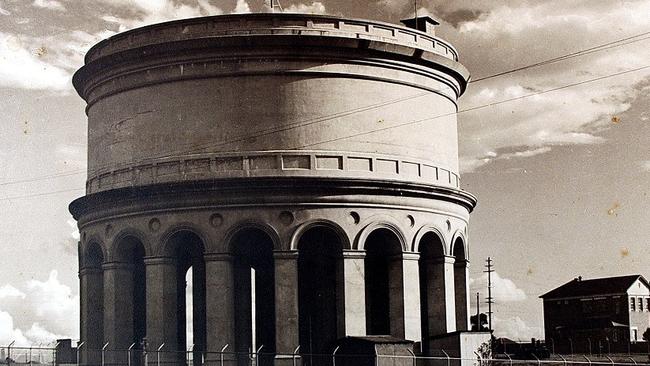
<point x="597" y="315"/>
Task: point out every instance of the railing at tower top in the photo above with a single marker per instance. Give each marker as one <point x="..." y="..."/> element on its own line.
<point x="159" y="356"/>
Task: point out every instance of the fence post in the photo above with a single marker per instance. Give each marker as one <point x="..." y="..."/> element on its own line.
<point x="539" y="363"/>
<point x="30" y="356"/>
<point x="586" y="358"/>
<point x="257" y="355"/>
<point x="448" y="358"/>
<point x="56" y="346"/>
<point x="158" y="353"/>
<point x="333" y="355"/>
<point x="295" y="352"/>
<point x="413" y="354"/>
<point x="9" y="349"/>
<point x="610" y="360"/>
<point x="187" y="355"/>
<point x="79" y="345"/>
<point x="510" y="359"/>
<point x="632" y="360"/>
<point x="103" y="354"/>
<point x="128" y="353"/>
<point x="221" y="354"/>
<point x="563" y="359"/>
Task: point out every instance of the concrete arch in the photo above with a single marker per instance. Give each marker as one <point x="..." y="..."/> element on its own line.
<point x="244" y="225"/>
<point x="360" y="241"/>
<point x="303" y="228"/>
<point x="426" y="229"/>
<point x="165" y="239"/>
<point x="459" y="237"/>
<point x="93" y="240"/>
<point x="123" y="235"/>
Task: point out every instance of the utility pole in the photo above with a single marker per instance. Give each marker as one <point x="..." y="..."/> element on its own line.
<point x="490" y="299"/>
<point x="478" y="311"/>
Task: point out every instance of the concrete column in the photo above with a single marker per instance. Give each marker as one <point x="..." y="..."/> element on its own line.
<point x="461" y="286"/>
<point x="118" y="310"/>
<point x="286" y="306"/>
<point x="441" y="296"/>
<point x="162" y="320"/>
<point x="411" y="278"/>
<point x="220" y="306"/>
<point x="396" y="296"/>
<point x="352" y="305"/>
<point x="91" y="291"/>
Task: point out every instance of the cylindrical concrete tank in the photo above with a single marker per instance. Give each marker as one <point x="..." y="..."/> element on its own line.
<point x="283" y="133"/>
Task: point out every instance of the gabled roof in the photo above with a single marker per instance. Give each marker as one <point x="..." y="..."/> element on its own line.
<point x="597" y="286"/>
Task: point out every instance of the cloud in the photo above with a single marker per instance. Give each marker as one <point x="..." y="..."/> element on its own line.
<point x="645" y="165"/>
<point x="242" y="7"/>
<point x="22" y="66"/>
<point x="47" y="310"/>
<point x="49" y="4"/>
<point x="495" y="37"/>
<point x="8" y="291"/>
<point x="9" y="333"/>
<point x="503" y="289"/>
<point x="59" y="306"/>
<point x="315" y="8"/>
<point x="515" y="328"/>
<point x="156" y="11"/>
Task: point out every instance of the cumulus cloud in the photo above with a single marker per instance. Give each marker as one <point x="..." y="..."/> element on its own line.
<point x="156" y="11"/>
<point x="242" y="7"/>
<point x="645" y="165"/>
<point x="22" y="66"/>
<point x="503" y="289"/>
<point x="314" y="8"/>
<point x="515" y="328"/>
<point x="8" y="291"/>
<point x="49" y="4"/>
<point x="520" y="33"/>
<point x="41" y="312"/>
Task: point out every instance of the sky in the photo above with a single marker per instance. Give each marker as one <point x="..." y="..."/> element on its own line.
<point x="557" y="154"/>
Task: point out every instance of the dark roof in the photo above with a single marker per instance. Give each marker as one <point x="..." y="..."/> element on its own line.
<point x="597" y="286"/>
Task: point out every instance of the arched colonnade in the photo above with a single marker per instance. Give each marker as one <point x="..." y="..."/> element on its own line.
<point x="324" y="287"/>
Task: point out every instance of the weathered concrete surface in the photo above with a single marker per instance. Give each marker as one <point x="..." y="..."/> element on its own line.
<point x="222" y="143"/>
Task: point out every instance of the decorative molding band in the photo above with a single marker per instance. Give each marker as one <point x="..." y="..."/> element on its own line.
<point x="303" y="25"/>
<point x="289" y="163"/>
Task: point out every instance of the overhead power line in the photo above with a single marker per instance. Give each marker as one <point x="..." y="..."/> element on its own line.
<point x="587" y="51"/>
<point x="299" y="124"/>
<point x="477" y="107"/>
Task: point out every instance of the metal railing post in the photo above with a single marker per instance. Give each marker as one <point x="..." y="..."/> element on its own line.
<point x="448" y="358"/>
<point x="187" y="356"/>
<point x="128" y="353"/>
<point x="79" y="345"/>
<point x="295" y="352"/>
<point x="56" y="346"/>
<point x="30" y="356"/>
<point x="633" y="360"/>
<point x="104" y="354"/>
<point x="563" y="359"/>
<point x="333" y="355"/>
<point x="509" y="359"/>
<point x="221" y="353"/>
<point x="9" y="349"/>
<point x="413" y="354"/>
<point x="158" y="353"/>
<point x="586" y="358"/>
<point x="610" y="359"/>
<point x="257" y="355"/>
<point x="539" y="363"/>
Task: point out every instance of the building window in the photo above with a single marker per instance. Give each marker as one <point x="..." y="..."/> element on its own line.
<point x="647" y="304"/>
<point x="617" y="307"/>
<point x="640" y="304"/>
<point x="632" y="304"/>
<point x="635" y="334"/>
